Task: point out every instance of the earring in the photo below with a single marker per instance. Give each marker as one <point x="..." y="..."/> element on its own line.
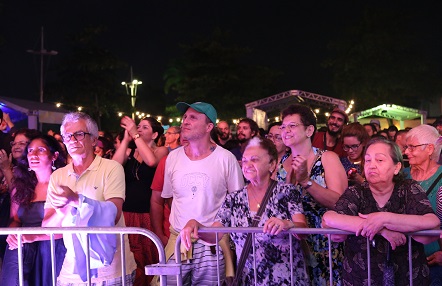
<point x="29" y="169"/>
<point x="53" y="165"/>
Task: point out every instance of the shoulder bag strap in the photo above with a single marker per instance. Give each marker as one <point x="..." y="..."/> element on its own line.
<point x="248" y="243"/>
<point x="430" y="189"/>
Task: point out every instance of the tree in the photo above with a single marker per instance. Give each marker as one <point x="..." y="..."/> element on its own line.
<point x="213" y="70"/>
<point x="87" y="78"/>
<point x="381" y="60"/>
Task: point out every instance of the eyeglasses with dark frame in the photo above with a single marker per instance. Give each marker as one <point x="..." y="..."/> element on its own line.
<point x="275" y="137"/>
<point x="413" y="147"/>
<point x="352" y="147"/>
<point x="79" y="135"/>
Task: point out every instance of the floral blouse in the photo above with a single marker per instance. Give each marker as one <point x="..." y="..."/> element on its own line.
<point x="272" y="252"/>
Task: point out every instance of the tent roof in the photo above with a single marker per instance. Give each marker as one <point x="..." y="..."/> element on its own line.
<point x="391" y="111"/>
<point x="19" y="109"/>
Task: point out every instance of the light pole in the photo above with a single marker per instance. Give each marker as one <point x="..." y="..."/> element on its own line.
<point x="42" y="52"/>
<point x="131" y="90"/>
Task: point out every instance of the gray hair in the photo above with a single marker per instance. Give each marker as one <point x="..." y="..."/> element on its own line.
<point x="426" y="134"/>
<point x="73" y="117"/>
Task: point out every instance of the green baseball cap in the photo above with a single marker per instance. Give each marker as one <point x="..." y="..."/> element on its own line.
<point x="202" y="107"/>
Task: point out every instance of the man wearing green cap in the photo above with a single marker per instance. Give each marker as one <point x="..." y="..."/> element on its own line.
<point x="198" y="177"/>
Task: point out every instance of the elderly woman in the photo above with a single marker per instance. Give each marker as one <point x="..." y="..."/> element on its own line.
<point x="322" y="178"/>
<point x="282" y="211"/>
<point x="382" y="209"/>
<point x="41" y="157"/>
<point x="423" y="154"/>
<point x="354" y="137"/>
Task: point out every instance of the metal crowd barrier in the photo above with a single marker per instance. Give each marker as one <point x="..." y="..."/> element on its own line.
<point x="121" y="231"/>
<point x="164" y="269"/>
<point x="307" y="231"/>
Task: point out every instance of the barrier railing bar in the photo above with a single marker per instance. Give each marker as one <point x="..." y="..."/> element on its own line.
<point x="292" y="274"/>
<point x="20" y="260"/>
<point x="368" y="262"/>
<point x="53" y="260"/>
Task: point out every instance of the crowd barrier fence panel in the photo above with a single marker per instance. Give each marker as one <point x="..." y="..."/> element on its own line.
<point x="164" y="269"/>
<point x="323" y="231"/>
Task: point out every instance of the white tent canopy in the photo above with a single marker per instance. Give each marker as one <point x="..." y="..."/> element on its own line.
<point x="35" y="112"/>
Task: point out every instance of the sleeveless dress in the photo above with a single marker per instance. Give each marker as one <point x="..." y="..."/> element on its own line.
<point x="36" y="256"/>
<point x="317" y="244"/>
<point x="136" y="209"/>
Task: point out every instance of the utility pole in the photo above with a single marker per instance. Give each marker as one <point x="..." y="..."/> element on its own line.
<point x="131" y="90"/>
<point x="42" y="52"/>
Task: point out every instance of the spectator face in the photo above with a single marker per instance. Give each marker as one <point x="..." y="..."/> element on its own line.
<point x="39" y="156"/>
<point x="78" y="147"/>
<point x="418" y="153"/>
<point x="195" y="125"/>
<point x="19" y="145"/>
<point x="369" y="130"/>
<point x="335" y="123"/>
<point x="391" y="135"/>
<point x="275" y="135"/>
<point x="400" y="141"/>
<point x="224" y="130"/>
<point x="145" y="130"/>
<point x="379" y="167"/>
<point x="293" y="131"/>
<point x="244" y="132"/>
<point x="256" y="165"/>
<point x="353" y="147"/>
<point x="171" y="136"/>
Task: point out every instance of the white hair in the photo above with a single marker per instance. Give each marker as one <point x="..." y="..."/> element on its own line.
<point x="426" y="134"/>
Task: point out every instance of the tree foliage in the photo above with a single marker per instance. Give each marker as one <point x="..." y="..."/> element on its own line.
<point x="214" y="71"/>
<point x="87" y="77"/>
<point x="381" y="60"/>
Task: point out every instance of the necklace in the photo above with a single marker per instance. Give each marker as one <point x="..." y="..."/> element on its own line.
<point x="135" y="167"/>
<point x="258" y="203"/>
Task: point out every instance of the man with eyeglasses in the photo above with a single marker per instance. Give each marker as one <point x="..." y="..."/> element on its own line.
<point x="330" y="140"/>
<point x="90" y="187"/>
<point x="172" y="138"/>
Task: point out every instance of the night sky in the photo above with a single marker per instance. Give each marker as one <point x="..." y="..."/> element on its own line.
<point x="290" y="36"/>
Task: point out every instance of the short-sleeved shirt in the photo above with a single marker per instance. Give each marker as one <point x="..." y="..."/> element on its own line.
<point x="199" y="187"/>
<point x="102" y="180"/>
<point x="407" y="198"/>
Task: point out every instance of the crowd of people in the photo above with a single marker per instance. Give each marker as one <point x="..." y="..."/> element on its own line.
<point x="377" y="183"/>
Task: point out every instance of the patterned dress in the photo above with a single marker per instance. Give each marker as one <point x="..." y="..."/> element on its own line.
<point x="272" y="252"/>
<point x="407" y="198"/>
<point x="317" y="260"/>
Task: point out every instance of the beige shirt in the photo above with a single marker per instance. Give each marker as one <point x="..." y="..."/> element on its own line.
<point x="103" y="179"/>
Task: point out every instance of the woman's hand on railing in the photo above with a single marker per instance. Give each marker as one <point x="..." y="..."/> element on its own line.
<point x="275" y="225"/>
<point x="395" y="238"/>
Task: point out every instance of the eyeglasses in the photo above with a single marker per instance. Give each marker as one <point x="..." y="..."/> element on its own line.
<point x="19" y="143"/>
<point x="79" y="135"/>
<point x="289" y="126"/>
<point x="352" y="147"/>
<point x="275" y="137"/>
<point x="413" y="147"/>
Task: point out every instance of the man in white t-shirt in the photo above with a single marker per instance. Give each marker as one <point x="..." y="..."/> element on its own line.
<point x="91" y="192"/>
<point x="198" y="177"/>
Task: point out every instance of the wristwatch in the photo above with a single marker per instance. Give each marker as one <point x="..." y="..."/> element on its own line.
<point x="308" y="184"/>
